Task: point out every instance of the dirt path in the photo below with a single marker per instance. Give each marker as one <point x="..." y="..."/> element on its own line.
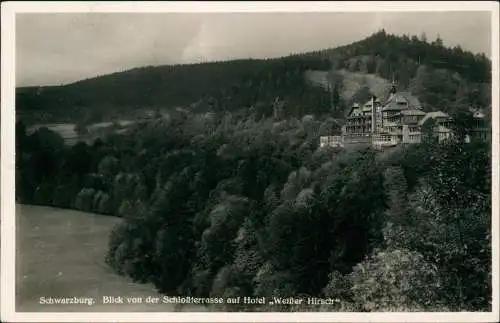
<point x="60" y="254"/>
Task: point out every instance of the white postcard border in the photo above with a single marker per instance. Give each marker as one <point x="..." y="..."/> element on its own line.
<point x="7" y="283"/>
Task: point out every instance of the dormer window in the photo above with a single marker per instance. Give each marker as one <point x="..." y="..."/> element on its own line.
<point x="401" y="101"/>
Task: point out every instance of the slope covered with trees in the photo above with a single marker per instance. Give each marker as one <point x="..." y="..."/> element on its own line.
<point x="218" y="86"/>
<point x="224" y="207"/>
<point x="435" y="73"/>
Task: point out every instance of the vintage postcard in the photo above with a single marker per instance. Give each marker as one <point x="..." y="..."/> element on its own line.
<point x="250" y="161"/>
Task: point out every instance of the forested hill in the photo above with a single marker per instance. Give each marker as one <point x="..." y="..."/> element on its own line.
<point x="385" y="54"/>
<point x="438" y="75"/>
<point x="229" y="86"/>
<point x="442" y="77"/>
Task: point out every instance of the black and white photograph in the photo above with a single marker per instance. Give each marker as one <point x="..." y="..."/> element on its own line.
<point x="219" y="160"/>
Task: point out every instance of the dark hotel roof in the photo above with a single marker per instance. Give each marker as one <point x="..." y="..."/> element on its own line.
<point x="392" y="102"/>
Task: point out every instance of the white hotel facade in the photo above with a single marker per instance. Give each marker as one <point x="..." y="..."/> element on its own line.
<point x="397" y="120"/>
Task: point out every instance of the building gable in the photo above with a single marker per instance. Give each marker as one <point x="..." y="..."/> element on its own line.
<point x="402" y="100"/>
<point x="355" y="110"/>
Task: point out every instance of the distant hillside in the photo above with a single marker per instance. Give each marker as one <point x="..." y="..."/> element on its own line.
<point x="386" y="54"/>
<point x="217" y="86"/>
<point x="438" y="75"/>
<point x="350" y="84"/>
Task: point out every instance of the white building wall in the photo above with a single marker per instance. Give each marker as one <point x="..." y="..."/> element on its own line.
<point x="330" y="141"/>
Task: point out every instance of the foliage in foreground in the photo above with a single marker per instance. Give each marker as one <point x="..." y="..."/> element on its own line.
<point x="226" y="208"/>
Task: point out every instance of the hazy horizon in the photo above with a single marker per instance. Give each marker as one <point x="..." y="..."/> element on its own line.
<point x="61" y="48"/>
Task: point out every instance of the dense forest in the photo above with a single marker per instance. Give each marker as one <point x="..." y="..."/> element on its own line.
<point x="251" y="85"/>
<point x="433" y="72"/>
<point x="229" y="207"/>
<point x="242" y="201"/>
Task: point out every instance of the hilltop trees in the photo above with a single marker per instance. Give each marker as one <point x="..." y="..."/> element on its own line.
<point x="430" y="69"/>
<point x="218" y="87"/>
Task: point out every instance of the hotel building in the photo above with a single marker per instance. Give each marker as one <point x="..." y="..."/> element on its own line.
<point x="397" y="120"/>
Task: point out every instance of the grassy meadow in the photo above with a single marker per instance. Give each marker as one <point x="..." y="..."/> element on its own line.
<point x="60" y="253"/>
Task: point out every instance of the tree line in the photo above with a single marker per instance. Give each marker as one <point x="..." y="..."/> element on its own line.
<point x="217" y="86"/>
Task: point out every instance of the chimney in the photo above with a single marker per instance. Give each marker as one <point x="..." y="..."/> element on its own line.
<point x="374" y="114"/>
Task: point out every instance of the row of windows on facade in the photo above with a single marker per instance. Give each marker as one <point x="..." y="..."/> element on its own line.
<point x="384" y="139"/>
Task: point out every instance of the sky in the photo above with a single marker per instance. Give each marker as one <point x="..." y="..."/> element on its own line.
<point x="60" y="48"/>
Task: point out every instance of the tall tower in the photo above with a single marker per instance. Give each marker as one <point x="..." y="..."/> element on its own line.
<point x="330" y="91"/>
<point x="374" y="115"/>
<point x="394" y="87"/>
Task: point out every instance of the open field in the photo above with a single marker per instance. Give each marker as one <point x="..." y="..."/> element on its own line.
<point x="60" y="253"/>
<point x="67" y="130"/>
<point x="349" y="82"/>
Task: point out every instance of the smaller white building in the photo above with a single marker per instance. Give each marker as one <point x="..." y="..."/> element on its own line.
<point x="330" y="141"/>
<point x="384" y="140"/>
